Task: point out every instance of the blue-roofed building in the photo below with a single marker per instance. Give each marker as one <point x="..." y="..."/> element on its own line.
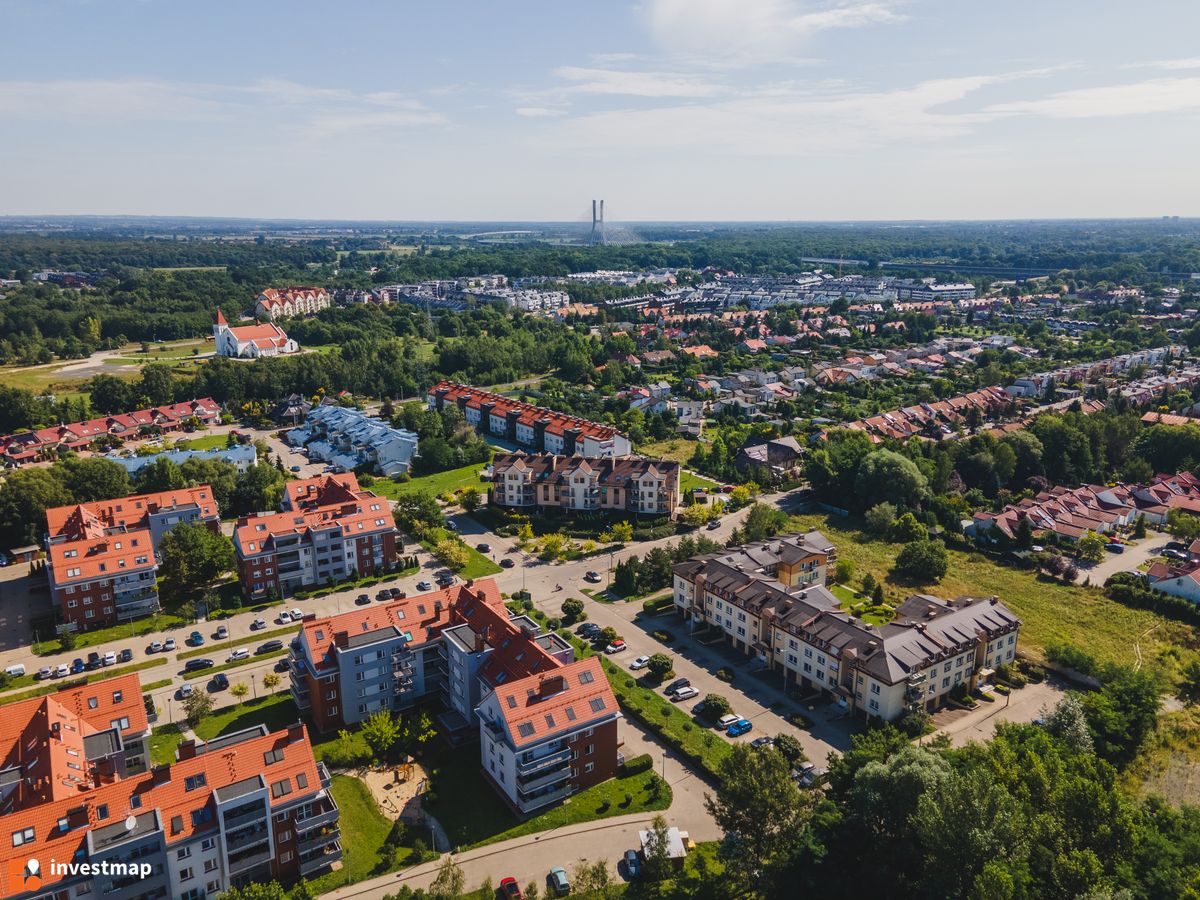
<point x="348" y="438"/>
<point x="243" y="456"/>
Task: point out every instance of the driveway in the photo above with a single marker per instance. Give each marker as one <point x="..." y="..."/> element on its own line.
<point x="1135" y="554"/>
<point x="1023" y="705"/>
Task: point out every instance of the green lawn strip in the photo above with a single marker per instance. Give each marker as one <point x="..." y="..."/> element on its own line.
<point x="365" y="832"/>
<point x="208" y="442"/>
<point x="85" y="639"/>
<point x="85" y="678"/>
<point x="437" y="484"/>
<point x="155" y="685"/>
<point x="1051" y="612"/>
<point x="163" y="741"/>
<point x="276" y="711"/>
<point x="236" y="664"/>
<point x="688" y="481"/>
<point x="215" y="646"/>
<point x="478" y="565"/>
<point x="349" y="585"/>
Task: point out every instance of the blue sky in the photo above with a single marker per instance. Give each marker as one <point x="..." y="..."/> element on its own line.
<point x="669" y="109"/>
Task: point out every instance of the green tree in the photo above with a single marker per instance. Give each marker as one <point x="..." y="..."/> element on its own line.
<point x="160" y="475"/>
<point x="657" y="850"/>
<point x="1091" y="546"/>
<point x="259" y="488"/>
<point x="572" y="609"/>
<point x="380" y="731"/>
<point x="660" y="666"/>
<point x="844" y="571"/>
<point x="716" y="706"/>
<point x="763" y="521"/>
<point x="888" y="476"/>
<point x="907" y="529"/>
<point x="418" y="511"/>
<point x="622" y="532"/>
<point x="193" y="556"/>
<point x="469" y="500"/>
<point x="25" y="496"/>
<point x="196" y="706"/>
<point x="1183" y="525"/>
<point x="271" y="681"/>
<point x="1189" y="682"/>
<point x="157" y="384"/>
<point x="1123" y="712"/>
<point x="450" y="880"/>
<point x="879" y="518"/>
<point x="1067" y="721"/>
<point x="416" y="729"/>
<point x="923" y="562"/>
<point x="760" y="811"/>
<point x="94" y="478"/>
<point x="452" y="552"/>
<point x="1139" y="527"/>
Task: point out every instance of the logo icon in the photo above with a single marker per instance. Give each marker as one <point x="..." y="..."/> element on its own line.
<point x="28" y="874"/>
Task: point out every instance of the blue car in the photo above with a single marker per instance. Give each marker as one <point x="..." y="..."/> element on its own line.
<point x="740" y="727"/>
<point x="77" y="666"/>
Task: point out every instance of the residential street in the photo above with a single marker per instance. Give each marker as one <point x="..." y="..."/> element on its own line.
<point x="1135" y="554"/>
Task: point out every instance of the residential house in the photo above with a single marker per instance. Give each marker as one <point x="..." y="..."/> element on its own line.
<point x="779" y="456"/>
<point x="624" y="484"/>
<point x="348" y="438"/>
<point x="240" y="456"/>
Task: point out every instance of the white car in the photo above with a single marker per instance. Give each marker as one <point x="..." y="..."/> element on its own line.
<point x="239" y="653"/>
<point x="257" y="624"/>
<point x="62" y="671"/>
<point x="297" y="614"/>
<point x="684" y="693"/>
<point x="285" y="618"/>
<point x="185" y="691"/>
<point x="169" y="646"/>
<point x="727" y="720"/>
<point x="640" y="663"/>
<point x="155" y="647"/>
<point x="222" y="633"/>
<point x="110" y="658"/>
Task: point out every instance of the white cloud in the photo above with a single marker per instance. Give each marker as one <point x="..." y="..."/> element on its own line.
<point x="1171" y="65"/>
<point x="538" y="112"/>
<point x="1157" y="95"/>
<point x="129" y="101"/>
<point x="637" y="84"/>
<point x="755" y="31"/>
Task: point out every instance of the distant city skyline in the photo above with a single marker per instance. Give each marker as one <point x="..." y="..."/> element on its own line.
<point x="670" y="110"/>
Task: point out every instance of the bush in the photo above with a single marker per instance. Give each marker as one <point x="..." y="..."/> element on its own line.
<point x="923" y="561"/>
<point x="915" y="722"/>
<point x="638" y="764"/>
<point x="572" y="610"/>
<point x="716" y="706"/>
<point x="664" y="636"/>
<point x="1071" y="657"/>
<point x="725" y="674"/>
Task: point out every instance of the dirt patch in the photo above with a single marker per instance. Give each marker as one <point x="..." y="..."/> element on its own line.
<point x="397" y="789"/>
<point x="1178" y="780"/>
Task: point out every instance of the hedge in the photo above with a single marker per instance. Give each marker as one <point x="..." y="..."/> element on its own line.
<point x="1131" y="590"/>
<point x="637" y="765"/>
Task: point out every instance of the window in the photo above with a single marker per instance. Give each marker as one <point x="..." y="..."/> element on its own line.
<point x="301" y="780"/>
<point x="213" y="887"/>
<point x="587" y="751"/>
<point x="135" y="801"/>
<point x="185" y="874"/>
<point x="24" y="836"/>
<point x="874" y="704"/>
<point x="272" y="756"/>
<point x="102" y="811"/>
<point x="945" y="683"/>
<point x="210" y="865"/>
<point x="959" y="663"/>
<point x="200" y="816"/>
<point x="946" y="669"/>
<point x="874" y="688"/>
<point x="587" y="767"/>
<point x="597" y="704"/>
<point x="286" y="856"/>
<point x="193" y="782"/>
<point x="525" y="729"/>
<point x="183" y="852"/>
<point x="283" y="837"/>
<point x="209" y="844"/>
<point x="93" y="702"/>
<point x="808" y="667"/>
<point x="808" y="653"/>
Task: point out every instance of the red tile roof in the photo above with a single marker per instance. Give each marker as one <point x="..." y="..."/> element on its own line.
<point x="106" y="556"/>
<point x="91" y="519"/>
<point x="544" y="704"/>
<point x="528" y="414"/>
<point x="80" y="434"/>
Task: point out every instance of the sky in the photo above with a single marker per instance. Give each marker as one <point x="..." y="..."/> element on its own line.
<point x="671" y="110"/>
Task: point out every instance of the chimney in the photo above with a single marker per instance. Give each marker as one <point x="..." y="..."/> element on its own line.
<point x="295" y="732"/>
<point x="187" y="750"/>
<point x="161" y="774"/>
<point x="481" y="595"/>
<point x="552" y="685"/>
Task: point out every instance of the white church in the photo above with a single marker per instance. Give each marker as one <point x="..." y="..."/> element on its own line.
<point x="251" y="341"/>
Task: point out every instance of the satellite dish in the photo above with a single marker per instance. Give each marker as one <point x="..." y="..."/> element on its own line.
<point x="131" y="823"/>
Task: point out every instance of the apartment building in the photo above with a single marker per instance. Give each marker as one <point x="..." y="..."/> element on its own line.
<point x="349" y="438"/>
<point x="244" y="808"/>
<point x="103" y="567"/>
<point x="44" y="443"/>
<point x="546" y="482"/>
<point x="329" y="529"/>
<point x="531" y="427"/>
<point x="461" y="648"/>
<point x="284" y="303"/>
<point x="796" y="626"/>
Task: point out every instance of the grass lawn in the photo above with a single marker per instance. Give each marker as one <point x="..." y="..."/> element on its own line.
<point x="155" y="685"/>
<point x="439" y="483"/>
<point x="365" y="832"/>
<point x="688" y="480"/>
<point x="1051" y="612"/>
<point x="678" y="449"/>
<point x="1167" y="765"/>
<point x="51" y="687"/>
<point x="163" y="741"/>
<point x="208" y="442"/>
<point x="130" y="630"/>
<point x="473" y="814"/>
<point x="478" y="565"/>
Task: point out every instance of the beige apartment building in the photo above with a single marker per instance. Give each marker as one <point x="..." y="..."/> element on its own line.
<point x="579" y="484"/>
<point x="770" y="601"/>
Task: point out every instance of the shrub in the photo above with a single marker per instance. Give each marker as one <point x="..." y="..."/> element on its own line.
<point x="716" y="706"/>
<point x="915" y="722"/>
<point x="664" y="636"/>
<point x="923" y="561"/>
<point x="725" y="674"/>
<point x="643" y="762"/>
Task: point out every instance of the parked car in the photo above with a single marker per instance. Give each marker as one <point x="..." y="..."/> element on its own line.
<point x="740" y="727"/>
<point x="222" y="633"/>
<point x="62" y="671"/>
<point x="633" y="864"/>
<point x="445" y="581"/>
<point x="195" y="665"/>
<point x="617" y="646"/>
<point x="677" y="684"/>
<point x="362" y="600"/>
<point x="381" y="596"/>
<point x="1114" y="547"/>
<point x="557" y="882"/>
<point x="15" y="671"/>
<point x="239" y="653"/>
<point x="285" y="618"/>
<point x="258" y="624"/>
<point x="726" y="720"/>
<point x="798" y="772"/>
<point x="297" y="614"/>
<point x="270" y="647"/>
<point x="713" y="524"/>
<point x="169" y="645"/>
<point x="484" y="547"/>
<point x="640" y="663"/>
<point x="510" y="890"/>
<point x="94" y="661"/>
<point x="155" y="647"/>
<point x="282" y="665"/>
<point x="196" y="639"/>
<point x="1175" y="554"/>
<point x="814" y="777"/>
<point x="77" y="666"/>
<point x="185" y="690"/>
<point x="760" y="742"/>
<point x="593" y="577"/>
<point x="397" y="594"/>
<point x="110" y="658"/>
<point x="126" y="655"/>
<point x="43" y="673"/>
<point x="588" y="630"/>
<point x="507" y="563"/>
<point x="219" y="682"/>
<point x="295" y="468"/>
<point x="424" y="586"/>
<point x="683" y="693"/>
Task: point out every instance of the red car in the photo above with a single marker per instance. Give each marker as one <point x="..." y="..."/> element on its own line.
<point x="510" y="889"/>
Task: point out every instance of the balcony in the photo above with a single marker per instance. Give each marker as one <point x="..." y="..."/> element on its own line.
<point x="300" y="698"/>
<point x="541" y="762"/>
<point x="544" y="778"/>
<point x="318" y="820"/>
<point x="232" y="823"/>
<point x="531" y="803"/>
<point x="332" y="854"/>
<point x="326" y="779"/>
<point x="249" y="862"/>
<point x="247" y="839"/>
<point x="318" y="841"/>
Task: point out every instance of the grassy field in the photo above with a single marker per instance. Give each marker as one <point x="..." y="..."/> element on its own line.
<point x="208" y="442"/>
<point x="276" y="711"/>
<point x="1051" y="612"/>
<point x="1169" y="764"/>
<point x="439" y="483"/>
<point x="473" y="813"/>
<point x="678" y="449"/>
<point x="130" y="631"/>
<point x="689" y="480"/>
